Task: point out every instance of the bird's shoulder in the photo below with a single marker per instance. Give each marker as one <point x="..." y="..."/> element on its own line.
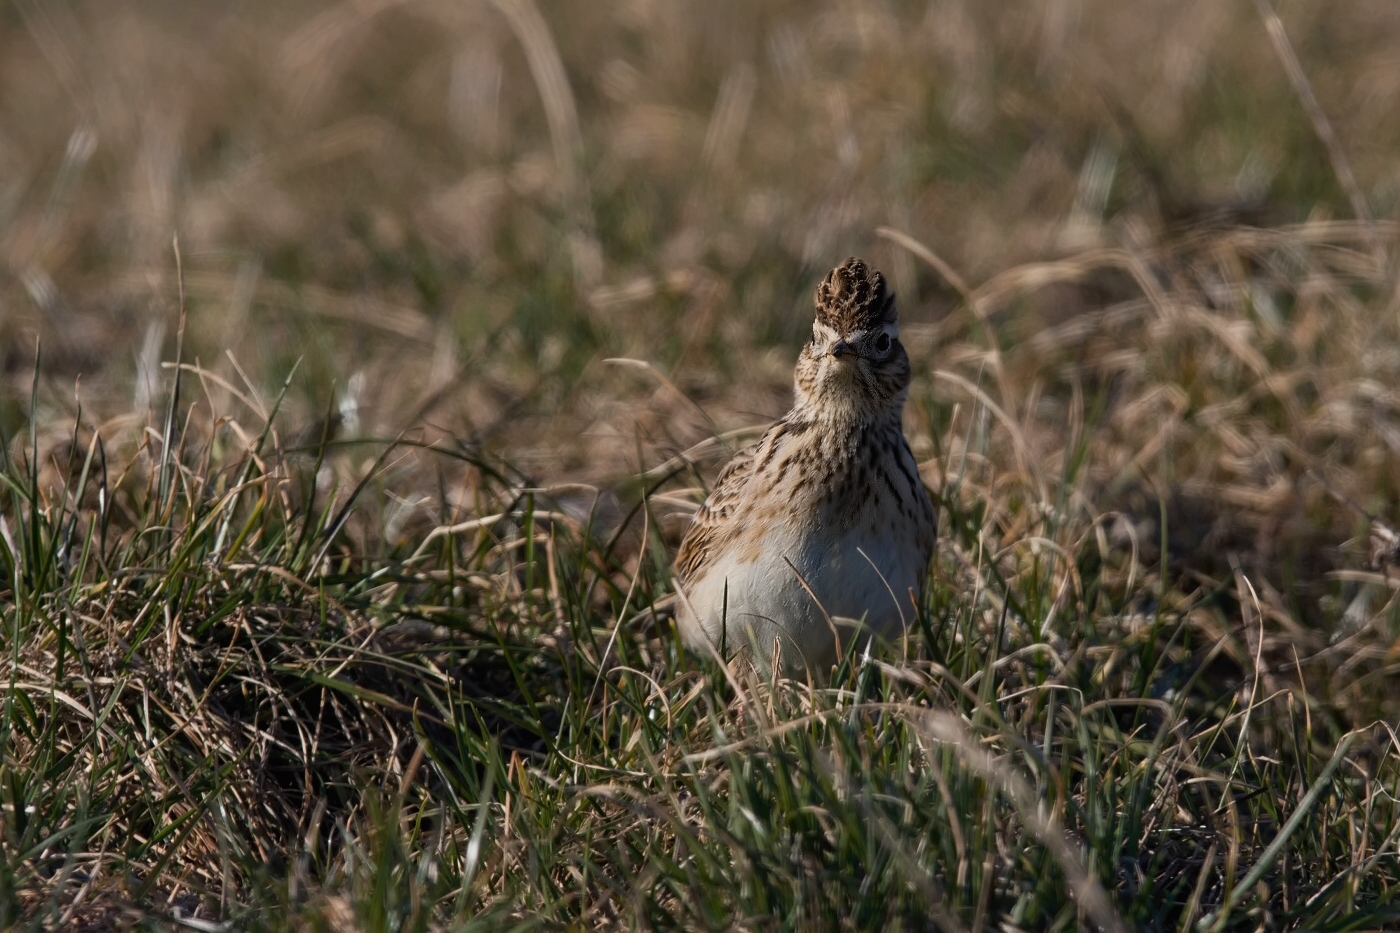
<point x="717" y="518"/>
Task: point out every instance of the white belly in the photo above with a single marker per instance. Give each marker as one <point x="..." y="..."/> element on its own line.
<point x="862" y="579"/>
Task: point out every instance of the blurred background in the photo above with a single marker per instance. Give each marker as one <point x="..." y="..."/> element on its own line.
<point x="454" y="212"/>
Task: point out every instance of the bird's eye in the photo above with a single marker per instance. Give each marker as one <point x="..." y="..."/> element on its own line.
<point x="882" y="343"/>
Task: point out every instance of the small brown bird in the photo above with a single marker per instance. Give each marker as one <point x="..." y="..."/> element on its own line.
<point x="823" y="529"/>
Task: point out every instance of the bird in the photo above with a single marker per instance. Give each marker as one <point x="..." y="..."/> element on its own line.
<point x="822" y="531"/>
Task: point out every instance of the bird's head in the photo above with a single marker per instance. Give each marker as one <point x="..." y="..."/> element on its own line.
<point x="854" y="361"/>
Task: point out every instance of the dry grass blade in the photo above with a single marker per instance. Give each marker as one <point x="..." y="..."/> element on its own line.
<point x="560" y="110"/>
<point x="360" y="630"/>
<point x="1335" y="153"/>
<point x="1087" y="890"/>
<point x="1216" y="921"/>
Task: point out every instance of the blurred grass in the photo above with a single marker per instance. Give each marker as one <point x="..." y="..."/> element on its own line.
<point x="325" y="643"/>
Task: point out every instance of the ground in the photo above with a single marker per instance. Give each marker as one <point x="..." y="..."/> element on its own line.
<point x="362" y="364"/>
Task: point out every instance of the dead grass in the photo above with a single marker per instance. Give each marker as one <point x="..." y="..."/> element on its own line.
<point x="280" y="681"/>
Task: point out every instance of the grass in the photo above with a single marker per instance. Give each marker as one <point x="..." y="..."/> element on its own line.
<point x="336" y="549"/>
<point x="234" y="693"/>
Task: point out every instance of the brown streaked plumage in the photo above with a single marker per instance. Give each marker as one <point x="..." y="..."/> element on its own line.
<point x="853" y="296"/>
<point x="824" y="522"/>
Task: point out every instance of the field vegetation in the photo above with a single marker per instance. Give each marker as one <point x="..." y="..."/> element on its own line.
<point x="363" y="362"/>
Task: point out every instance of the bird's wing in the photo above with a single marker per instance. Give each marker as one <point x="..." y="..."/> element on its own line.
<point x="713" y="523"/>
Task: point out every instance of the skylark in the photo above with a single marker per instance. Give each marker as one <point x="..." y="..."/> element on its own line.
<point x="821" y="531"/>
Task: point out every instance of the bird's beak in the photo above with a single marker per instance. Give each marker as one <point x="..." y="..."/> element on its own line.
<point x="841" y="349"/>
